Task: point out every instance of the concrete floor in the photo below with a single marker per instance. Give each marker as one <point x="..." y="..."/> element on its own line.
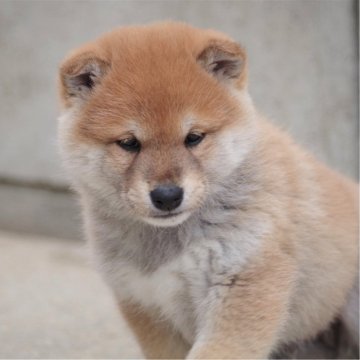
<point x="53" y="305"/>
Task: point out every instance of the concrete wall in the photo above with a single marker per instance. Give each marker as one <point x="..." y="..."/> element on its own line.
<point x="303" y="74"/>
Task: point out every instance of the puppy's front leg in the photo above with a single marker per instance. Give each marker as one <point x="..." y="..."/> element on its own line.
<point x="244" y="316"/>
<point x="156" y="338"/>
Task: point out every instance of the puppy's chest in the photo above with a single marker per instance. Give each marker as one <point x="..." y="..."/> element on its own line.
<point x="174" y="290"/>
<point x="178" y="286"/>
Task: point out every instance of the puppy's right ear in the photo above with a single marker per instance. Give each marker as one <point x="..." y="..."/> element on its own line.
<point x="79" y="75"/>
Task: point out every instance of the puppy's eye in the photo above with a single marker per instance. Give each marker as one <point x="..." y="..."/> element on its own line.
<point x="130" y="144"/>
<point x="193" y="139"/>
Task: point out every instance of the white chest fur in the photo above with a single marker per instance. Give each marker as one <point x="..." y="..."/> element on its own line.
<point x="165" y="290"/>
<point x="181" y="278"/>
<point x="178" y="287"/>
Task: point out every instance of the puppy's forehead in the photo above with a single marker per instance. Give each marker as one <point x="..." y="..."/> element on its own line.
<point x="178" y="126"/>
<point x="170" y="38"/>
<point x="153" y="68"/>
<point x="155" y="61"/>
<point x="154" y="84"/>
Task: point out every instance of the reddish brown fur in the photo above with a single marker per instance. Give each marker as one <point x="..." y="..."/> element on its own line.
<point x="162" y="93"/>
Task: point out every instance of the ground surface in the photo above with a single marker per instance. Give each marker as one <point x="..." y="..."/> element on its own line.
<point x="53" y="305"/>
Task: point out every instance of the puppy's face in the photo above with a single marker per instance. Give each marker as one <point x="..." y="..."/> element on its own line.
<point x="156" y="118"/>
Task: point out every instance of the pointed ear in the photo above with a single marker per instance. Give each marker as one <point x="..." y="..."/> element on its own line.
<point x="79" y="75"/>
<point x="226" y="61"/>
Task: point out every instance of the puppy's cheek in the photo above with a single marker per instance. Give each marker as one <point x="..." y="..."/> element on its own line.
<point x="194" y="186"/>
<point x="119" y="159"/>
<point x="226" y="154"/>
<point x="126" y="175"/>
<point x="138" y="197"/>
<point x="82" y="160"/>
<point x="84" y="164"/>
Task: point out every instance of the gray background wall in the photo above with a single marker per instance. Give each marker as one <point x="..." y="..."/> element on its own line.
<point x="303" y="75"/>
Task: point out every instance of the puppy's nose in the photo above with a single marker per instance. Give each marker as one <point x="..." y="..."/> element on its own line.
<point x="167" y="197"/>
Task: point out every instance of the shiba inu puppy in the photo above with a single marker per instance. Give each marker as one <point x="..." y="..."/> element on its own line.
<point x="220" y="237"/>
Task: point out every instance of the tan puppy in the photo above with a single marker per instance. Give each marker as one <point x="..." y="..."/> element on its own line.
<point x="219" y="236"/>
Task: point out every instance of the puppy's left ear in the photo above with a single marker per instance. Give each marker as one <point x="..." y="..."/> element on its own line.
<point x="226" y="61"/>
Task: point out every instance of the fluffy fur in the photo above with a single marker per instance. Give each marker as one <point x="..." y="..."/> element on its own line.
<point x="262" y="252"/>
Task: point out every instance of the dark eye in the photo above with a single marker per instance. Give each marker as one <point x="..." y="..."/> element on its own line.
<point x="193" y="139"/>
<point x="130" y="144"/>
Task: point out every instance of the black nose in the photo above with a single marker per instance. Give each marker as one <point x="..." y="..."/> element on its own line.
<point x="167" y="197"/>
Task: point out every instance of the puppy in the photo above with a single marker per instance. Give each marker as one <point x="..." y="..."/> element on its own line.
<point x="220" y="237"/>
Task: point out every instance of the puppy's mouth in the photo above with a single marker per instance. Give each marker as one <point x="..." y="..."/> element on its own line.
<point x="167" y="219"/>
<point x="167" y="215"/>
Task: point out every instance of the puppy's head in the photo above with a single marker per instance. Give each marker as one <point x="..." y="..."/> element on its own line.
<point x="155" y="118"/>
